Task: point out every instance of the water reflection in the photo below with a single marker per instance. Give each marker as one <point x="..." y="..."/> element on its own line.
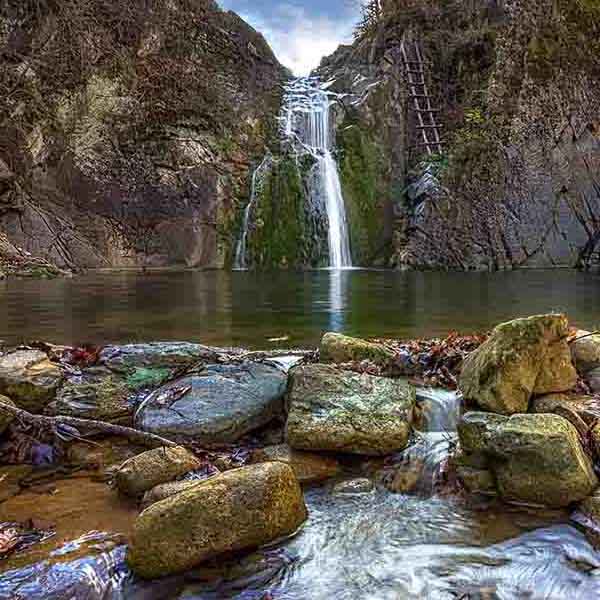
<point x="248" y="309"/>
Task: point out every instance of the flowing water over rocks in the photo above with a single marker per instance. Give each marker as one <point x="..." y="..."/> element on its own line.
<point x="373" y="545"/>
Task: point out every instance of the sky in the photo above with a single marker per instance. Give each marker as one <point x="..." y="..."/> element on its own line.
<point x="300" y="32"/>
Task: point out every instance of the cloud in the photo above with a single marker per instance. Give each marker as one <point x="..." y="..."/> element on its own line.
<point x="300" y="39"/>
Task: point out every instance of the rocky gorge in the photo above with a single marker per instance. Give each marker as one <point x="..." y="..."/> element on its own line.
<point x="218" y="447"/>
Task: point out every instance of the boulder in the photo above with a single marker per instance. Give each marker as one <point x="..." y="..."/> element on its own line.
<point x="348" y="412"/>
<point x="237" y="510"/>
<point x="170" y="355"/>
<point x="217" y="405"/>
<point x="585" y="350"/>
<point x="5" y="418"/>
<point x="586" y="407"/>
<point x="93" y="394"/>
<point x="520" y="358"/>
<point x="144" y="471"/>
<point x="535" y="459"/>
<point x="337" y="348"/>
<point x="308" y="467"/>
<point x="29" y="379"/>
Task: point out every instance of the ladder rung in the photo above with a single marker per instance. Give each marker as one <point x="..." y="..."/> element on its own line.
<point x="428" y="126"/>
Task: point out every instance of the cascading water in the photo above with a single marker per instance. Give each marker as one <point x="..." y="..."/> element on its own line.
<point x="306" y="129"/>
<point x="307" y="125"/>
<point x="241" y="258"/>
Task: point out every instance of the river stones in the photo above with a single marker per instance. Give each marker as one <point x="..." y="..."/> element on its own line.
<point x="172" y="355"/>
<point x="337" y="348"/>
<point x="217" y="405"/>
<point x="144" y="471"/>
<point x="6" y="418"/>
<point x="353" y="487"/>
<point x="237" y="510"/>
<point x="29" y="379"/>
<point x="307" y="466"/>
<point x="95" y="393"/>
<point x="348" y="412"/>
<point x="585" y="350"/>
<point x="535" y="459"/>
<point x="521" y="358"/>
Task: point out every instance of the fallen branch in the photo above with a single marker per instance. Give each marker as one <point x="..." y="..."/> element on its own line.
<point x="143" y="438"/>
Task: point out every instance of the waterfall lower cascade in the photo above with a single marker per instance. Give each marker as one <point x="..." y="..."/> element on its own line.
<point x="307" y="126"/>
<point x="307" y="130"/>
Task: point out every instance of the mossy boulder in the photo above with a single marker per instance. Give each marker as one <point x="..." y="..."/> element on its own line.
<point x="237" y="510"/>
<point x="348" y="412"/>
<point x="29" y="379"/>
<point x="144" y="471"/>
<point x="93" y="394"/>
<point x="338" y="348"/>
<point x="585" y="350"/>
<point x="308" y="467"/>
<point x="535" y="459"/>
<point x="6" y="418"/>
<point x="520" y="358"/>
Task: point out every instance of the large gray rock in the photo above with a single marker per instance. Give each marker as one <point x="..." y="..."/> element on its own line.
<point x="520" y="358"/>
<point x="216" y="405"/>
<point x="237" y="510"/>
<point x="348" y="412"/>
<point x="29" y="379"/>
<point x="535" y="459"/>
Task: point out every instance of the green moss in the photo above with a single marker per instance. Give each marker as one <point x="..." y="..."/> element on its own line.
<point x="142" y="377"/>
<point x="281" y="234"/>
<point x="362" y="175"/>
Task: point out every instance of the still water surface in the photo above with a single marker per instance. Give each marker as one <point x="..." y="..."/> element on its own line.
<point x="248" y="309"/>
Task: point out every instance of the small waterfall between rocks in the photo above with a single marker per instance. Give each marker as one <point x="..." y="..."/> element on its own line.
<point x="306" y="128"/>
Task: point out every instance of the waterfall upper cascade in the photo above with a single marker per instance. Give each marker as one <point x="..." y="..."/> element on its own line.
<point x="307" y="129"/>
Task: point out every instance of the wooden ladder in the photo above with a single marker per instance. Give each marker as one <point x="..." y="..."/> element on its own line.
<point x="419" y="98"/>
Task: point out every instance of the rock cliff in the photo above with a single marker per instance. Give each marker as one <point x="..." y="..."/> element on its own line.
<point x="128" y="130"/>
<point x="514" y="89"/>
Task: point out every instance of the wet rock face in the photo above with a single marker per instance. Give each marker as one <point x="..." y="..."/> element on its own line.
<point x="240" y="509"/>
<point x="521" y="358"/>
<point x="144" y="471"/>
<point x="217" y="405"/>
<point x="307" y="466"/>
<point x="535" y="459"/>
<point x="29" y="379"/>
<point x="337" y="348"/>
<point x="348" y="412"/>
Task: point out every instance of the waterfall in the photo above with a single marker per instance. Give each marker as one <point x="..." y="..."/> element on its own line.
<point x="306" y="129"/>
<point x="306" y="118"/>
